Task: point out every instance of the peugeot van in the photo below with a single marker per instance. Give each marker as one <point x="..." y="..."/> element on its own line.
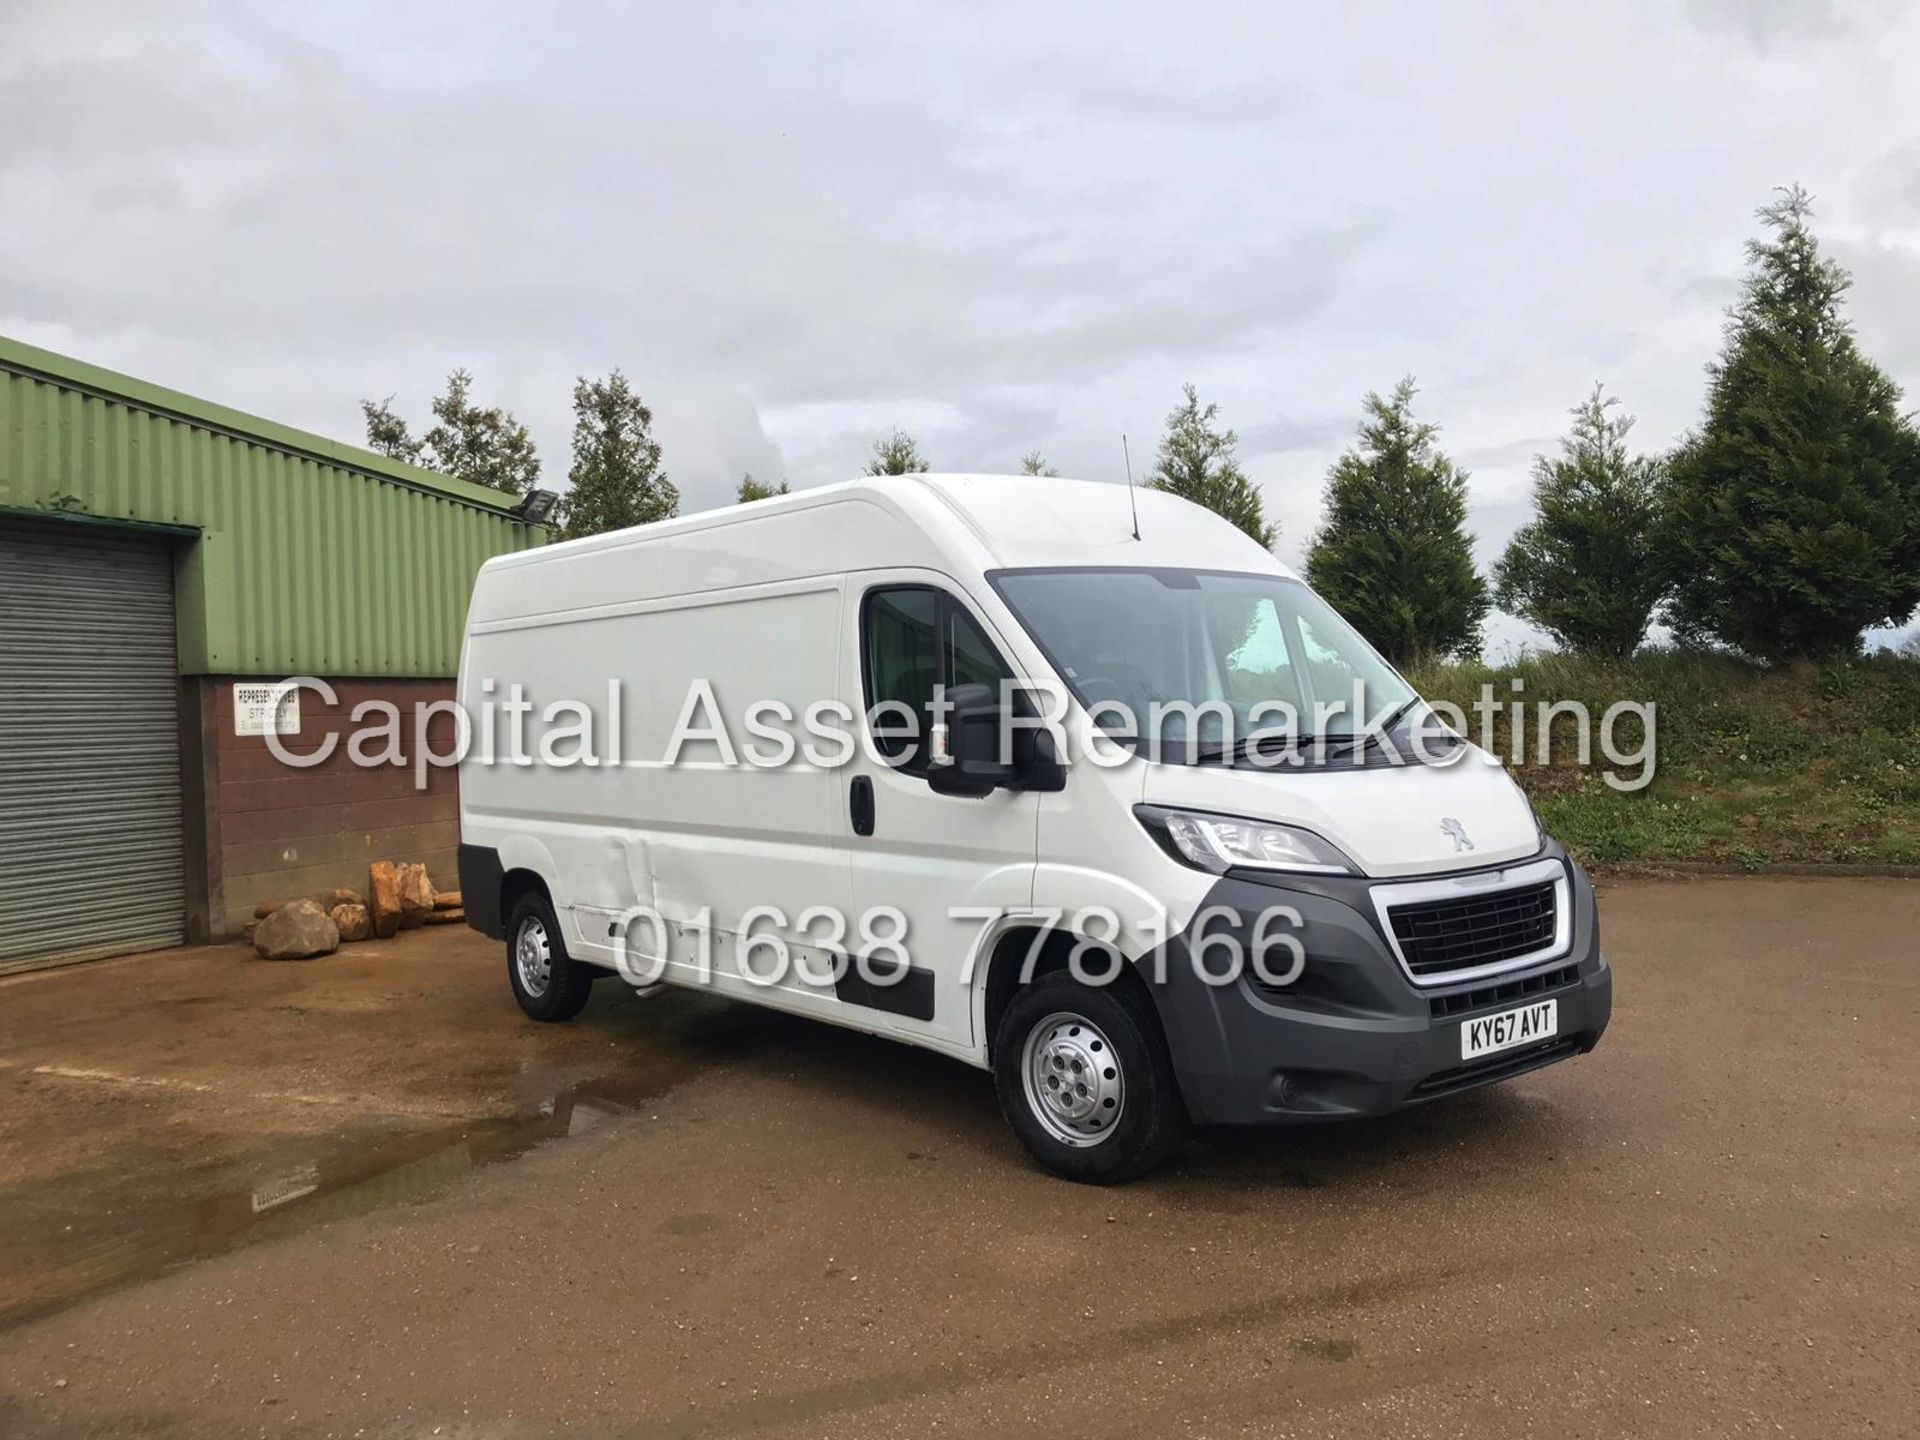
<point x="989" y="765"/>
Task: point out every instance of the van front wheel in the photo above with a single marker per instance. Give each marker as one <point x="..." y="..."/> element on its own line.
<point x="548" y="983"/>
<point x="1085" y="1080"/>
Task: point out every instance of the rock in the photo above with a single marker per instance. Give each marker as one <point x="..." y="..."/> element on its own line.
<point x="266" y="908"/>
<point x="341" y="897"/>
<point x="416" y="896"/>
<point x="446" y="899"/>
<point x="352" y="921"/>
<point x="383" y="897"/>
<point x="298" y="930"/>
<point x="447" y="917"/>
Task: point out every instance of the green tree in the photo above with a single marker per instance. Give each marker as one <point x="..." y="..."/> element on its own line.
<point x="752" y="489"/>
<point x="1584" y="569"/>
<point x="616" y="476"/>
<point x="1197" y="463"/>
<point x="1034" y="463"/>
<point x="387" y="432"/>
<point x="896" y="454"/>
<point x="484" y="445"/>
<point x="1792" y="520"/>
<point x="1392" y="553"/>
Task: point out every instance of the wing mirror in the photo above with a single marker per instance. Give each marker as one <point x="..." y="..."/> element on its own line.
<point x="975" y="718"/>
<point x="972" y="745"/>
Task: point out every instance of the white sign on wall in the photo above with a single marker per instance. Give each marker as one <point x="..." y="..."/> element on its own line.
<point x="266" y="709"/>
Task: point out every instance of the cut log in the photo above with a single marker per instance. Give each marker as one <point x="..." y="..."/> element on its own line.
<point x="416" y="896"/>
<point x="383" y="897"/>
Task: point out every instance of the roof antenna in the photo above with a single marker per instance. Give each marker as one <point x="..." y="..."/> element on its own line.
<point x="1132" y="504"/>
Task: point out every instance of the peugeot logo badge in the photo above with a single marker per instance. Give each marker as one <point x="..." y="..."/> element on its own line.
<point x="1457" y="833"/>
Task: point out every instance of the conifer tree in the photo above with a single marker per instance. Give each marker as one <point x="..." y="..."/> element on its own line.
<point x="1197" y="463"/>
<point x="1583" y="569"/>
<point x="1392" y="553"/>
<point x="1792" y="520"/>
<point x="752" y="489"/>
<point x="896" y="454"/>
<point x="616" y="476"/>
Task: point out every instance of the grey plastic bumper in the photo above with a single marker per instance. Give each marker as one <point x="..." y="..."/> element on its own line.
<point x="1355" y="1036"/>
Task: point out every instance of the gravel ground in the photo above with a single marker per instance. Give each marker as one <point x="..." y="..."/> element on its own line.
<point x="240" y="1198"/>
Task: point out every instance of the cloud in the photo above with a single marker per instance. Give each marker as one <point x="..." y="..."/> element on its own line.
<point x="1770" y="25"/>
<point x="1883" y="303"/>
<point x="795" y="227"/>
<point x="1891" y="192"/>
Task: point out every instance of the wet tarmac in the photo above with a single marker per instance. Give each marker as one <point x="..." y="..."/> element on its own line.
<point x="242" y="1198"/>
<point x="115" y="1223"/>
<point x="215" y="1100"/>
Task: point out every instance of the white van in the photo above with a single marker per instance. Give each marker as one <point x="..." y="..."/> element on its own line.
<point x="974" y="762"/>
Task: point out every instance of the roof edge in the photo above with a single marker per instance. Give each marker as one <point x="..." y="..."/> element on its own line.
<point x="31" y="360"/>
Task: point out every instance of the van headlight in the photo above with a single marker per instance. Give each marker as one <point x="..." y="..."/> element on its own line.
<point x="1227" y="842"/>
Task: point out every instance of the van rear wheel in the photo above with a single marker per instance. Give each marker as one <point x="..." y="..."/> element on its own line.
<point x="549" y="984"/>
<point x="1085" y="1080"/>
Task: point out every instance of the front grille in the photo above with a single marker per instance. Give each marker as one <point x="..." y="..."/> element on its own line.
<point x="1496" y="1067"/>
<point x="1439" y="936"/>
<point x="1486" y="996"/>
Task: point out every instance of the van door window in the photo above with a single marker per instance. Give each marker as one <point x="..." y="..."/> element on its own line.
<point x="903" y="666"/>
<point x="970" y="657"/>
<point x="917" y="639"/>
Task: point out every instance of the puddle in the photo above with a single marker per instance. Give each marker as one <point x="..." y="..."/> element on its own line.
<point x="95" y="1228"/>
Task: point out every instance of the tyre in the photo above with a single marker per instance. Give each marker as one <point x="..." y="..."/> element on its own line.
<point x="548" y="983"/>
<point x="1085" y="1080"/>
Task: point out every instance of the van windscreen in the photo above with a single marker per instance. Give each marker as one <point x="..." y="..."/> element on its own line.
<point x="1187" y="658"/>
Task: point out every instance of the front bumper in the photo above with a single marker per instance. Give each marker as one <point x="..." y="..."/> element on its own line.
<point x="1355" y="1036"/>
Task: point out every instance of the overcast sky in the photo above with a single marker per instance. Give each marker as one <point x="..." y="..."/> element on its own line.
<point x="1000" y="228"/>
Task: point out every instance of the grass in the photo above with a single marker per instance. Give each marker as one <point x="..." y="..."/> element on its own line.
<point x="1753" y="767"/>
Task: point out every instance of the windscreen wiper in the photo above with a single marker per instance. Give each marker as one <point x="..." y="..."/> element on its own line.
<point x="1378" y="733"/>
<point x="1400" y="713"/>
<point x="1249" y="745"/>
<point x="1274" y="739"/>
<point x="1371" y="733"/>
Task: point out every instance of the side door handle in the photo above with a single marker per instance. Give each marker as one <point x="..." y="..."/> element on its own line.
<point x="860" y="804"/>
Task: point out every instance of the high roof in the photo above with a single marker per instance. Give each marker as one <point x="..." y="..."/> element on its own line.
<point x="1027" y="520"/>
<point x="980" y="522"/>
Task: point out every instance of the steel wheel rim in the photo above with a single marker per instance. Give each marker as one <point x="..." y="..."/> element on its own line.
<point x="533" y="956"/>
<point x="1074" y="1083"/>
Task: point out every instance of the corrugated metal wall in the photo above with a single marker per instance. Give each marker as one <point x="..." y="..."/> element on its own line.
<point x="313" y="561"/>
<point x="90" y="806"/>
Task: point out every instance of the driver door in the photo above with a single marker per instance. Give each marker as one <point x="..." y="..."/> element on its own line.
<point x="918" y="856"/>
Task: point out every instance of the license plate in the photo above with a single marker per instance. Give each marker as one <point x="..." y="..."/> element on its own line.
<point x="1492" y="1033"/>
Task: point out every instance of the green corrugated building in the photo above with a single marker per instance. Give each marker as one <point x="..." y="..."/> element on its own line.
<point x="156" y="552"/>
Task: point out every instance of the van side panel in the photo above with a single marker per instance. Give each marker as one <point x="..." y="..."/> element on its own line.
<point x="703" y="840"/>
<point x="753" y="605"/>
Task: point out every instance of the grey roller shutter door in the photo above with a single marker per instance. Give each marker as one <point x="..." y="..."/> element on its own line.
<point x="90" y="810"/>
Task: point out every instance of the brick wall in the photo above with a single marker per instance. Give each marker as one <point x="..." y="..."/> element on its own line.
<point x="275" y="831"/>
